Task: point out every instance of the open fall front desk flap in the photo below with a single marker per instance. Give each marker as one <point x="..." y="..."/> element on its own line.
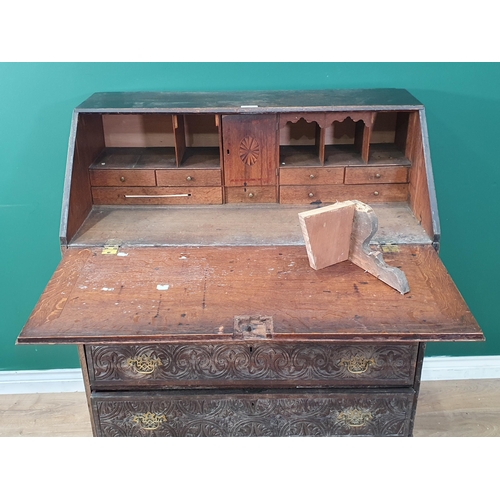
<point x="195" y="293"/>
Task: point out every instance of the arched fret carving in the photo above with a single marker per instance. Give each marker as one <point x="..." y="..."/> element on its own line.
<point x="326" y="119"/>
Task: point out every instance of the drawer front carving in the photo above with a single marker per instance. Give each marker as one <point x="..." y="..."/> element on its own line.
<point x="367" y="193"/>
<point x="251" y="194"/>
<point x="375" y="175"/>
<point x="251" y="364"/>
<point x="311" y="176"/>
<point x="297" y="413"/>
<point x="188" y="177"/>
<point x="182" y="195"/>
<point x="124" y="177"/>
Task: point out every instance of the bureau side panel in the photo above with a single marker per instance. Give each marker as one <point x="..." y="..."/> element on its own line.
<point x="422" y="195"/>
<point x="85" y="145"/>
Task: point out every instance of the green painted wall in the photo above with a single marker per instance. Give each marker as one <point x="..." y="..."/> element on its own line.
<point x="36" y="101"/>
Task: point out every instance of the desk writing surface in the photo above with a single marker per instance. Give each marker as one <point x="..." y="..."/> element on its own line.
<point x="193" y="293"/>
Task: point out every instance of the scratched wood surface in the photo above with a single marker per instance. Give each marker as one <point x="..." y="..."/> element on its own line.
<point x="450" y="408"/>
<point x="252" y="102"/>
<point x="233" y="224"/>
<point x="195" y="293"/>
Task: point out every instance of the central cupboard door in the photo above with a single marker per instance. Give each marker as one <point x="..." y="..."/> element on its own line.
<point x="250" y="157"/>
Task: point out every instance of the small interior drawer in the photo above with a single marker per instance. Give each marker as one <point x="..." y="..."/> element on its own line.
<point x="188" y="177"/>
<point x="247" y="364"/>
<point x="311" y="175"/>
<point x="251" y="194"/>
<point x="123" y="177"/>
<point x="367" y="193"/>
<point x="182" y="195"/>
<point x="265" y="413"/>
<point x="375" y="175"/>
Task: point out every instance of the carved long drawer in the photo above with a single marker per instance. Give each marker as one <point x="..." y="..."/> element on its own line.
<point x="282" y="413"/>
<point x="250" y="364"/>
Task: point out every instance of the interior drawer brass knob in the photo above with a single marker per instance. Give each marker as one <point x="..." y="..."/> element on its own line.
<point x="311" y="176"/>
<point x="122" y="178"/>
<point x="149" y="421"/>
<point x="375" y="193"/>
<point x="311" y="195"/>
<point x="354" y="417"/>
<point x="250" y="195"/>
<point x="189" y="178"/>
<point x="144" y="364"/>
<point x="377" y="176"/>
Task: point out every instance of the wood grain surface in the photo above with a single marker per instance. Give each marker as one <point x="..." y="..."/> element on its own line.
<point x="327" y="233"/>
<point x="181" y="195"/>
<point x="259" y="224"/>
<point x="195" y="293"/>
<point x="367" y="193"/>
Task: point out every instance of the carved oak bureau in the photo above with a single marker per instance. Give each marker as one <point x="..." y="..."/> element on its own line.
<point x="185" y="281"/>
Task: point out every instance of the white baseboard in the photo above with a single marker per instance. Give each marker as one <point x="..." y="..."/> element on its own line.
<point x="461" y="367"/>
<point x="38" y="381"/>
<point x="71" y="380"/>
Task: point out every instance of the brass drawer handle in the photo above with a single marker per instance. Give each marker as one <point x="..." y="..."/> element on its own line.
<point x="122" y="179"/>
<point x="376" y="193"/>
<point x="354" y="417"/>
<point x="311" y="195"/>
<point x="156" y="195"/>
<point x="357" y="364"/>
<point x="144" y="364"/>
<point x="311" y="176"/>
<point x="377" y="176"/>
<point x="189" y="178"/>
<point x="149" y="421"/>
<point x="251" y="195"/>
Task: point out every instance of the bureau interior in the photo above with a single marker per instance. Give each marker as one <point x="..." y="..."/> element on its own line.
<point x="141" y="177"/>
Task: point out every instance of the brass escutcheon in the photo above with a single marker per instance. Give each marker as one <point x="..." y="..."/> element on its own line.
<point x="354" y="417"/>
<point x="357" y="364"/>
<point x="149" y="421"/>
<point x="144" y="364"/>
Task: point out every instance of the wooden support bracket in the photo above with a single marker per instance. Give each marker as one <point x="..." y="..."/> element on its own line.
<point x="343" y="232"/>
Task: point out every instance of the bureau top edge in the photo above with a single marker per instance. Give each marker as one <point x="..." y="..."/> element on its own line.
<point x="251" y="102"/>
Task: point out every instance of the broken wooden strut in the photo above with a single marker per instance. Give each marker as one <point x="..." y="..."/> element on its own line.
<point x="343" y="231"/>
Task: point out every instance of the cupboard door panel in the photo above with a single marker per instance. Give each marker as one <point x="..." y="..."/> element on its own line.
<point x="250" y="150"/>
